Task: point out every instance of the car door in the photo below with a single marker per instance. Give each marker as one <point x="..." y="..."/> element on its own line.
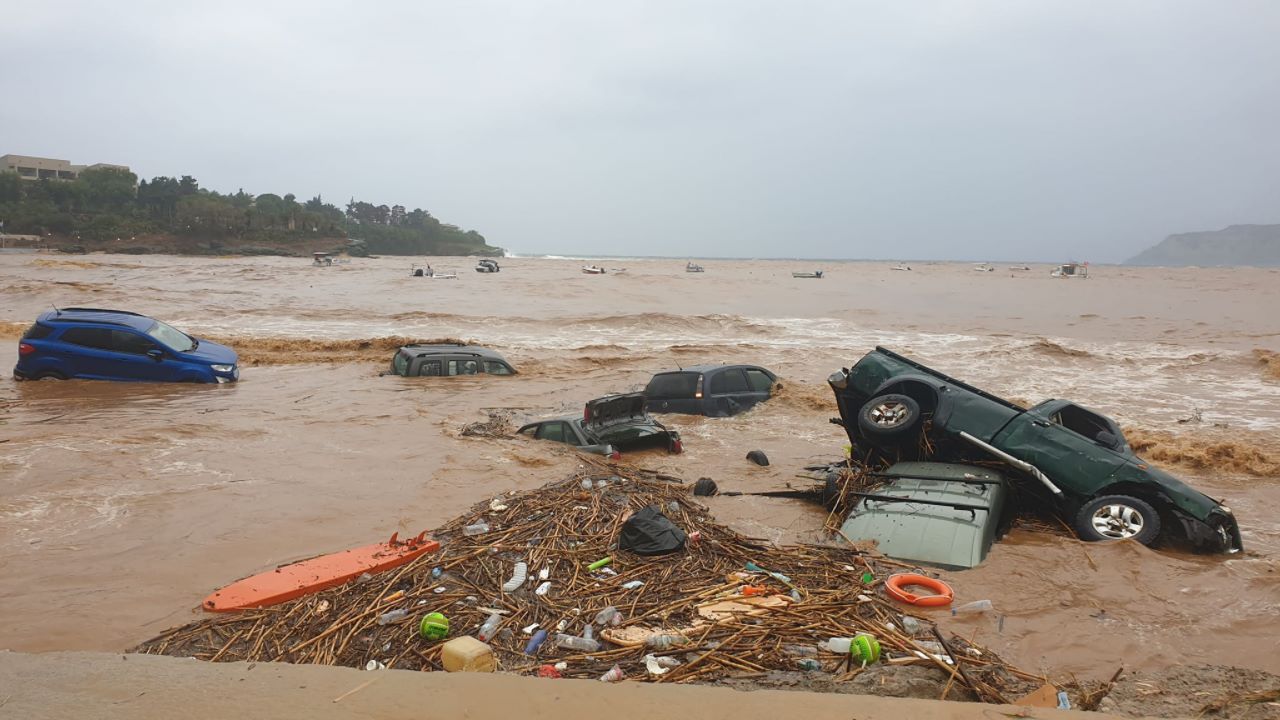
<point x="90" y="353"/>
<point x="556" y="431"/>
<point x="1077" y="464"/>
<point x="759" y="386"/>
<point x="728" y="394"/>
<point x="132" y="361"/>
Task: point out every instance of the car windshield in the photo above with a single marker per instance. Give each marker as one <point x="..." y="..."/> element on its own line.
<point x="399" y="363"/>
<point x="172" y="337"/>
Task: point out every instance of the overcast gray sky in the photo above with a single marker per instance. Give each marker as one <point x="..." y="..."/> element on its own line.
<point x="1010" y="130"/>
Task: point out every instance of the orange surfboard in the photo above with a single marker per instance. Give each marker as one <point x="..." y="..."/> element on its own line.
<point x="318" y="573"/>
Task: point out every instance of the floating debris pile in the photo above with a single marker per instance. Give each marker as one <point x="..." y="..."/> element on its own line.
<point x="723" y="607"/>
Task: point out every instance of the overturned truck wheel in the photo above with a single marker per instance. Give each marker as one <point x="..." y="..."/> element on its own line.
<point x="889" y="419"/>
<point x="1118" y="517"/>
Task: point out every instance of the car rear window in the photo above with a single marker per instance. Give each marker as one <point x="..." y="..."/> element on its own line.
<point x="729" y="381"/>
<point x="37" y="332"/>
<point x="399" y="363"/>
<point x="672" y="385"/>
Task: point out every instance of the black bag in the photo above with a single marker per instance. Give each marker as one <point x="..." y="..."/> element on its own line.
<point x="649" y="532"/>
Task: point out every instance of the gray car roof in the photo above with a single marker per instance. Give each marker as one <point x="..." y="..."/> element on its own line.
<point x="476" y="350"/>
<point x="709" y="368"/>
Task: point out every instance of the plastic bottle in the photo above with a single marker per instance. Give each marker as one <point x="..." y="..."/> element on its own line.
<point x="609" y="616"/>
<point x="911" y="625"/>
<point x="839" y="645"/>
<point x="977" y="606"/>
<point x="614" y="675"/>
<point x="392" y="616"/>
<point x="517" y="578"/>
<point x="479" y="528"/>
<point x="535" y="642"/>
<point x="665" y="641"/>
<point x="632" y="585"/>
<point x="573" y="642"/>
<point x="588" y="632"/>
<point x="490" y="627"/>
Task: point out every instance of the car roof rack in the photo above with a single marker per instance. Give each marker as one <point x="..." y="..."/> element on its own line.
<point x="59" y="311"/>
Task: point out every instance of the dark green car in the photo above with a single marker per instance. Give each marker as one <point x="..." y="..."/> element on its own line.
<point x="1076" y="458"/>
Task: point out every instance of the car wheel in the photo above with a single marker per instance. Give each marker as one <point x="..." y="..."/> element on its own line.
<point x="889" y="418"/>
<point x="49" y="375"/>
<point x="1118" y="517"/>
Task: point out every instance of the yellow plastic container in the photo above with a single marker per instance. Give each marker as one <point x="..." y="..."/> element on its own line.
<point x="467" y="654"/>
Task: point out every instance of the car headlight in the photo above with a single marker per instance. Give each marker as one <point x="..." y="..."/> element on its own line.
<point x="223" y="368"/>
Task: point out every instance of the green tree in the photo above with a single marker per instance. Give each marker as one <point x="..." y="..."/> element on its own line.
<point x="107" y="188"/>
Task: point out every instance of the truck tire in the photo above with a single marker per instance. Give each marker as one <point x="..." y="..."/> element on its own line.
<point x="1118" y="517"/>
<point x="889" y="418"/>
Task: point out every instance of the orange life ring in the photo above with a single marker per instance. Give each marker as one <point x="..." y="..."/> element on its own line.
<point x="896" y="586"/>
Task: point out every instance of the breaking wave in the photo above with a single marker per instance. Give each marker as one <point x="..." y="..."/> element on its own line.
<point x="292" y="351"/>
<point x="802" y="396"/>
<point x="1257" y="457"/>
<point x="1270" y="362"/>
<point x="1049" y="347"/>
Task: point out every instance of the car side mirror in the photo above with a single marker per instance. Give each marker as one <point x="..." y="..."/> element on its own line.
<point x="156" y="354"/>
<point x="1105" y="439"/>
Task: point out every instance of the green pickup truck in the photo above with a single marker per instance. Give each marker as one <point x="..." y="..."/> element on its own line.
<point x="1073" y="457"/>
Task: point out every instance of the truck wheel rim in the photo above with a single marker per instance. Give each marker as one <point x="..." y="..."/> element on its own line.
<point x="1117" y="521"/>
<point x="889" y="413"/>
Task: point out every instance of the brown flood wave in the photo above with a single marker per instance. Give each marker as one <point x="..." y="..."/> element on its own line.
<point x="802" y="396"/>
<point x="1270" y="361"/>
<point x="1247" y="453"/>
<point x="295" y="351"/>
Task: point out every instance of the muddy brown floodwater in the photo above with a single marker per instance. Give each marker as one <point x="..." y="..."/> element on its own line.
<point x="122" y="505"/>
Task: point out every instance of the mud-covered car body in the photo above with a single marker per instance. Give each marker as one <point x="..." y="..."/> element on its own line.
<point x="613" y="422"/>
<point x="1073" y="453"/>
<point x="448" y="361"/>
<point x="712" y="390"/>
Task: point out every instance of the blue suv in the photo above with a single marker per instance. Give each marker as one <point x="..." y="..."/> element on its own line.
<point x="117" y="345"/>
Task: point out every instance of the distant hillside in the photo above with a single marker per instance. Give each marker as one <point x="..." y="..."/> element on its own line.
<point x="110" y="209"/>
<point x="1235" y="245"/>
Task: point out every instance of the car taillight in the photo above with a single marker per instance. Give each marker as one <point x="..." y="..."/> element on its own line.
<point x="586" y="413"/>
<point x="26" y="348"/>
<point x="697" y="393"/>
<point x="677" y="447"/>
<point x="615" y="455"/>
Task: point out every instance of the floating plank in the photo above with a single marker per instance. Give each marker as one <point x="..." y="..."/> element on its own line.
<point x="318" y="573"/>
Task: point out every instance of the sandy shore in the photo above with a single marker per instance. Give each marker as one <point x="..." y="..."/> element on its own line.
<point x="142" y="687"/>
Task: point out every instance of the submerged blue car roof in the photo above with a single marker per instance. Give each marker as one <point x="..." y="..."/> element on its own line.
<point x="113" y="317"/>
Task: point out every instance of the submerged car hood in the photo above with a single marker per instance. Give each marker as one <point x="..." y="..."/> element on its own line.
<point x="212" y="353"/>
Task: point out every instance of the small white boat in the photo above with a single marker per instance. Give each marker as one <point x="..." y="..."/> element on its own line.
<point x="693" y="268"/>
<point x="1071" y="270"/>
<point x="816" y="274"/>
<point x="984" y="267"/>
<point x="487" y="266"/>
<point x="901" y="266"/>
<point x="593" y="269"/>
<point x="427" y="272"/>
